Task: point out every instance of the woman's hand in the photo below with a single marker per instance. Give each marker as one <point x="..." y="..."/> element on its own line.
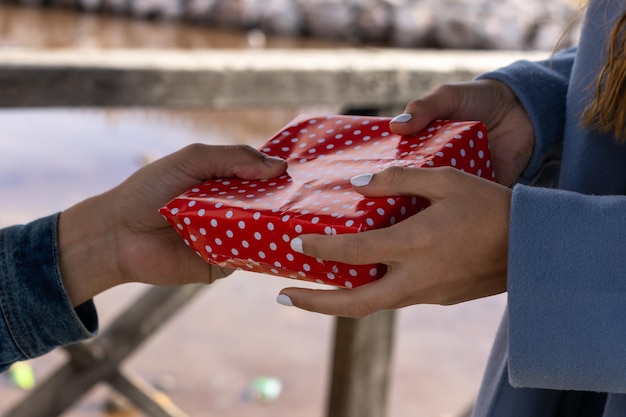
<point x="120" y="237"/>
<point x="510" y="132"/>
<point x="455" y="250"/>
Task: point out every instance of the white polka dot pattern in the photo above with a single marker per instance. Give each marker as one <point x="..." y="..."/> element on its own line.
<point x="249" y="224"/>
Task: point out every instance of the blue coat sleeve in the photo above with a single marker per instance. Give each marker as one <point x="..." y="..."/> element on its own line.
<point x="567" y="265"/>
<point x="567" y="305"/>
<point x="544" y="99"/>
<point x="36" y="314"/>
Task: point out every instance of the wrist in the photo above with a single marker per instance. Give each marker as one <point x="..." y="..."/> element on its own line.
<point x="87" y="263"/>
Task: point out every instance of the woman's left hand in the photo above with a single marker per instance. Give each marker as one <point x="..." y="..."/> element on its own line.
<point x="453" y="251"/>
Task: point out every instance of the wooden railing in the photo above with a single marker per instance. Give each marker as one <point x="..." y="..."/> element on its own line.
<point x="352" y="78"/>
<point x="357" y="80"/>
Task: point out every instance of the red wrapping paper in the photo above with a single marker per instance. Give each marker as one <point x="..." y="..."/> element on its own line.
<point x="248" y="225"/>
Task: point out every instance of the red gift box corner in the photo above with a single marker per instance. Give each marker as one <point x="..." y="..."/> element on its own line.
<point x="249" y="224"/>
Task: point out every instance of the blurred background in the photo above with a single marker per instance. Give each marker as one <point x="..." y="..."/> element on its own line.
<point x="208" y="357"/>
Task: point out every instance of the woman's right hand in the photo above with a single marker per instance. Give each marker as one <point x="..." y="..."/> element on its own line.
<point x="509" y="129"/>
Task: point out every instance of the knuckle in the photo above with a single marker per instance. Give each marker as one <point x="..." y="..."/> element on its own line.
<point x="194" y="149"/>
<point x="413" y="105"/>
<point x="426" y="239"/>
<point x="359" y="310"/>
<point x="353" y="250"/>
<point x="190" y="154"/>
<point x="246" y="149"/>
<point x="446" y="176"/>
<point x="445" y="90"/>
<point x="396" y="175"/>
<point x="446" y="171"/>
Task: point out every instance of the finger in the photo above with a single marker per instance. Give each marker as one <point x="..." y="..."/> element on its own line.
<point x="355" y="303"/>
<point x="382" y="245"/>
<point x="373" y="246"/>
<point x="431" y="183"/>
<point x="440" y="104"/>
<point x="204" y="161"/>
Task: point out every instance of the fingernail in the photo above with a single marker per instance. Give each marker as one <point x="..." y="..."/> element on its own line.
<point x="401" y="118"/>
<point x="296" y="244"/>
<point x="284" y="300"/>
<point x="273" y="161"/>
<point x="361" y="180"/>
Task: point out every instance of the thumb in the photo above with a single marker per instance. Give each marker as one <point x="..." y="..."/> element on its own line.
<point x="256" y="165"/>
<point x="199" y="162"/>
<point x="440" y="104"/>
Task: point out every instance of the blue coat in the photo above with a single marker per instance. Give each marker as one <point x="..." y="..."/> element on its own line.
<point x="561" y="348"/>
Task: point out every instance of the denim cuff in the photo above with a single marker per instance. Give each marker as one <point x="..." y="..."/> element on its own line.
<point x="35" y="307"/>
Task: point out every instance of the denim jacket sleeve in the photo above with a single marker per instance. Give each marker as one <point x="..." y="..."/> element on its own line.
<point x="36" y="314"/>
<point x="544" y="98"/>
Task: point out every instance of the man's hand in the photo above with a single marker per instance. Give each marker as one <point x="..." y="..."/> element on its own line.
<point x="119" y="236"/>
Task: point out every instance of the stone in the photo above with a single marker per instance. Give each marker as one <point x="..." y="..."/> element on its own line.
<point x="442" y="24"/>
<point x="156" y="8"/>
<point x="199" y="10"/>
<point x="90" y="5"/>
<point x="116" y="6"/>
<point x="374" y="22"/>
<point x="282" y="17"/>
<point x="329" y="19"/>
<point x="241" y="14"/>
<point x="413" y="27"/>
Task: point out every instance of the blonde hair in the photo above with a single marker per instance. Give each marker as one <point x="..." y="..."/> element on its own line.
<point x="607" y="110"/>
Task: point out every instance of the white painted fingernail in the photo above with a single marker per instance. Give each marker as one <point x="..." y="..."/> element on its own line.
<point x="296" y="244"/>
<point x="401" y="118"/>
<point x="361" y="180"/>
<point x="284" y="300"/>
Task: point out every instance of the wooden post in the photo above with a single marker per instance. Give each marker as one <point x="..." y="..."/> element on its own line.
<point x="361" y="365"/>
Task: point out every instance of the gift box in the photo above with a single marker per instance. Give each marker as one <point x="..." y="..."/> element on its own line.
<point x="245" y="224"/>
